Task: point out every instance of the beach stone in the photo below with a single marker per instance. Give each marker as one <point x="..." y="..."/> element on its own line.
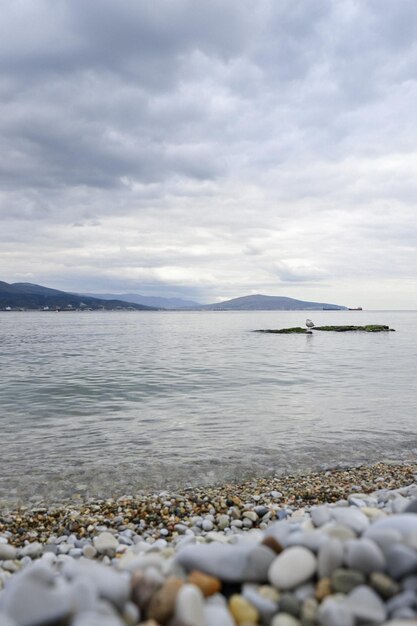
<point x="242" y="611"/>
<point x="89" y="551"/>
<point x="7" y="552"/>
<point x="323" y="588"/>
<point x="143" y="588"/>
<point x="223" y="521"/>
<point x="410" y="582"/>
<point x="320" y="515"/>
<point x="284" y="619"/>
<point x="384" y="538"/>
<point x="189" y="606"/>
<point x="338" y="531"/>
<point x="364" y="555"/>
<point x="163" y="603"/>
<point x="403" y="523"/>
<point x="333" y="611"/>
<point x="292" y="567"/>
<point x="344" y="580"/>
<point x="309" y="612"/>
<point x="330" y="557"/>
<point x="351" y="517"/>
<point x="273" y="544"/>
<point x="33" y="550"/>
<point x="384" y="585"/>
<point x="96" y="619"/>
<point x="111" y="585"/>
<point x="207" y="525"/>
<point x="258" y="562"/>
<point x="209" y="585"/>
<point x="401" y="561"/>
<point x="106" y="543"/>
<point x="265" y="606"/>
<point x="217" y="615"/>
<point x="30" y="602"/>
<point x="411" y="507"/>
<point x="280" y="530"/>
<point x="405" y="599"/>
<point x="288" y="603"/>
<point x="366" y="605"/>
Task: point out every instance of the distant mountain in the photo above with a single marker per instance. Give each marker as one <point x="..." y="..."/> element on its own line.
<point x="164" y="303"/>
<point x="30" y="296"/>
<point x="269" y="303"/>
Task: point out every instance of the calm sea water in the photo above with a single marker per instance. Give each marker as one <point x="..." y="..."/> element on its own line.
<point x="109" y="403"/>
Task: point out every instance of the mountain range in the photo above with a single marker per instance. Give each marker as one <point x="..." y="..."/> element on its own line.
<point x="32" y="296"/>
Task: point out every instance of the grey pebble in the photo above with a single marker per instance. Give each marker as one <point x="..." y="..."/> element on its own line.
<point x="364" y="555"/>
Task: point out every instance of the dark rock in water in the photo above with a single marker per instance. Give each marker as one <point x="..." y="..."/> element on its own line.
<point x="298" y="330"/>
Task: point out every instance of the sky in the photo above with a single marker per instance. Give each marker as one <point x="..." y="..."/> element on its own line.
<point x="211" y="149"/>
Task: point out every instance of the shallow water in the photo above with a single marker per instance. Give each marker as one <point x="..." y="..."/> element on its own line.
<point x="106" y="403"/>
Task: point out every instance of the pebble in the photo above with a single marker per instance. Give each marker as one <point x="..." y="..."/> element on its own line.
<point x="190" y="606"/>
<point x="365" y="556"/>
<point x="337" y="556"/>
<point x="366" y="605"/>
<point x="243" y="612"/>
<point x="292" y="567"/>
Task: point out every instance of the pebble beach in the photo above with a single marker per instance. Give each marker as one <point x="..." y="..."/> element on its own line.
<point x="331" y="548"/>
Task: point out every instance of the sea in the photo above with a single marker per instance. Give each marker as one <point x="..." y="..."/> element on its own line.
<point x="100" y="404"/>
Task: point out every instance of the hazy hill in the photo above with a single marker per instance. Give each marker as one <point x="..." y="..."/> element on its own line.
<point x="30" y="296"/>
<point x="153" y="301"/>
<point x="260" y="302"/>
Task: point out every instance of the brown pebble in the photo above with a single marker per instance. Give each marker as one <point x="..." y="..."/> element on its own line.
<point x="162" y="604"/>
<point x="273" y="544"/>
<point x="143" y="589"/>
<point x="209" y="585"/>
<point x="323" y="589"/>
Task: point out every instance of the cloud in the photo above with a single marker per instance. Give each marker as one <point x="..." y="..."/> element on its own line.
<point x="208" y="149"/>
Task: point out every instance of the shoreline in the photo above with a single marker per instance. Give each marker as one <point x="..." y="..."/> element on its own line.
<point x="152" y="511"/>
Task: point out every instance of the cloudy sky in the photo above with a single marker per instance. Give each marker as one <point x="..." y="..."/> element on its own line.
<point x="211" y="148"/>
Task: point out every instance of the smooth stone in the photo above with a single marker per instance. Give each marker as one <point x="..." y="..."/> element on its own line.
<point x="406" y="613"/>
<point x="189" y="606"/>
<point x="207" y="525"/>
<point x="284" y="619"/>
<point x="411" y="507"/>
<point x="403" y="523"/>
<point x="106" y="543"/>
<point x="401" y="561"/>
<point x="410" y="582"/>
<point x="280" y="531"/>
<point x="266" y="607"/>
<point x="227" y="562"/>
<point x="309" y="611"/>
<point x="111" y="585"/>
<point x="333" y="611"/>
<point x="96" y="619"/>
<point x="162" y="605"/>
<point x="338" y="531"/>
<point x="384" y="538"/>
<point x="344" y="580"/>
<point x="365" y="556"/>
<point x="320" y="515"/>
<point x="291" y="568"/>
<point x="351" y="517"/>
<point x="30" y="602"/>
<point x="7" y="552"/>
<point x="384" y="585"/>
<point x="243" y="612"/>
<point x="217" y="615"/>
<point x="404" y="599"/>
<point x="330" y="557"/>
<point x="143" y="589"/>
<point x="311" y="539"/>
<point x="84" y="595"/>
<point x="209" y="585"/>
<point x="366" y="605"/>
<point x="258" y="563"/>
<point x="33" y="550"/>
<point x="288" y="603"/>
